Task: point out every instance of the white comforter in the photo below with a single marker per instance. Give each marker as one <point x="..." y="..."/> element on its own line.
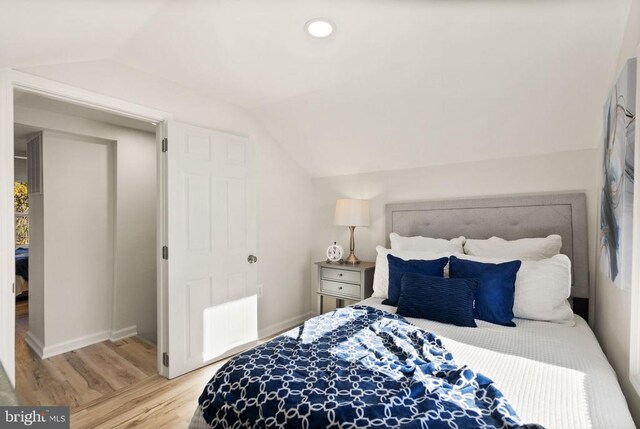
<point x="553" y="375"/>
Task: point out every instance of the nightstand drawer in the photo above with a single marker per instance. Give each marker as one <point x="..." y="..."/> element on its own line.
<point x="341" y="275"/>
<point x="327" y="286"/>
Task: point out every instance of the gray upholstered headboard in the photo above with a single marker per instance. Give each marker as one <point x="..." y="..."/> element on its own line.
<point x="510" y="218"/>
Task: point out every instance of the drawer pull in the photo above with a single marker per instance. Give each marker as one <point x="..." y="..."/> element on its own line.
<point x="340" y="288"/>
<point x="340" y="275"/>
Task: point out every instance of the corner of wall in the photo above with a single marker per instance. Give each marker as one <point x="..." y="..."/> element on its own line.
<point x="285" y="209"/>
<point x="35" y="343"/>
<point x="630" y="37"/>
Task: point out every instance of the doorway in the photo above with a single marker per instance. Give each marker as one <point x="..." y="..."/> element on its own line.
<point x="88" y="236"/>
<point x="206" y="187"/>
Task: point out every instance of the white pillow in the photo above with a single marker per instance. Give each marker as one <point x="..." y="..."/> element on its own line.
<point x="525" y="249"/>
<point x="381" y="274"/>
<point x="542" y="289"/>
<point x="426" y="244"/>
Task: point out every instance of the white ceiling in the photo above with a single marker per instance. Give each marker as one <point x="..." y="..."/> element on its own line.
<point x="36" y="32"/>
<point x="400" y="84"/>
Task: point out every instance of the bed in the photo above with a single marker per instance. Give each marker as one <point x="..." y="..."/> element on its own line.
<point x="22" y="270"/>
<point x="551" y="374"/>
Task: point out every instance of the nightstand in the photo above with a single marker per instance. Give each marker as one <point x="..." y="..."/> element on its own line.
<point x="344" y="281"/>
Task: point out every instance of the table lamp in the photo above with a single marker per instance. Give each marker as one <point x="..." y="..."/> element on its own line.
<point x="352" y="213"/>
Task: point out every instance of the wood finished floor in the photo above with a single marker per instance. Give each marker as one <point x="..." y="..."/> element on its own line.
<point x="108" y="385"/>
<point x="22" y="307"/>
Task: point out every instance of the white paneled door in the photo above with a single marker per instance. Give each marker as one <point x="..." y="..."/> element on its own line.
<point x="211" y="266"/>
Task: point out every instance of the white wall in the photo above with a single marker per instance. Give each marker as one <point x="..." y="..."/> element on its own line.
<point x="20" y="170"/>
<point x="79" y="203"/>
<point x="560" y="172"/>
<point x="284" y="188"/>
<point x="133" y="302"/>
<point x="613" y="306"/>
<point x="36" y="267"/>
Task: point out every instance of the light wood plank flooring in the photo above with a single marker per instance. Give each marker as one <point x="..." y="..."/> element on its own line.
<point x="155" y="403"/>
<point x="108" y="385"/>
<point x="80" y="376"/>
<point x="22" y="307"/>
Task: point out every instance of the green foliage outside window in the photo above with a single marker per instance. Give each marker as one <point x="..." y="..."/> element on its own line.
<point x="21" y="205"/>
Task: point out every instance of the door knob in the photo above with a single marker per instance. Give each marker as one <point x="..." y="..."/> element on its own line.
<point x="252" y="259"/>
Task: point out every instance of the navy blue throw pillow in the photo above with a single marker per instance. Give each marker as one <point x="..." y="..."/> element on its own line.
<point x="398" y="267"/>
<point x="496" y="288"/>
<point x="436" y="298"/>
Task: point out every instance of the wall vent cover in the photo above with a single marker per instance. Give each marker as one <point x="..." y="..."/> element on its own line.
<point x="34" y="164"/>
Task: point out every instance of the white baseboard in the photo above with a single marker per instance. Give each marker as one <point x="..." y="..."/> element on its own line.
<point x="124" y="333"/>
<point x="74" y="344"/>
<point x="35" y="343"/>
<point x="66" y="346"/>
<point x="284" y="325"/>
<point x="77" y="343"/>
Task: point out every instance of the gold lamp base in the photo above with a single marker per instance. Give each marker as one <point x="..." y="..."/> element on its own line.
<point x="351" y="259"/>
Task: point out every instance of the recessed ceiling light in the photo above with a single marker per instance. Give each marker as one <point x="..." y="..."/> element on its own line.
<point x="319" y="27"/>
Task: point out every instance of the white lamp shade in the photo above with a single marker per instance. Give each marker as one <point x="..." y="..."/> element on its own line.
<point x="352" y="212"/>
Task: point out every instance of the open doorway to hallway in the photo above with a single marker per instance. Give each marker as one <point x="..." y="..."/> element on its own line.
<point x="86" y="322"/>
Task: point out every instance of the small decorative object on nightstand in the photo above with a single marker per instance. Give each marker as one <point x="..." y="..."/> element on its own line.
<point x="350" y="282"/>
<point x="334" y="253"/>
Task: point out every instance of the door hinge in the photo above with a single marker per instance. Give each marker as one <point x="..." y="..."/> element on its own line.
<point x="165" y="144"/>
<point x="165" y="252"/>
<point x="165" y="359"/>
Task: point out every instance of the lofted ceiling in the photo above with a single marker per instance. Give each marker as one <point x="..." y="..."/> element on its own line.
<point x="400" y="84"/>
<point x="36" y="32"/>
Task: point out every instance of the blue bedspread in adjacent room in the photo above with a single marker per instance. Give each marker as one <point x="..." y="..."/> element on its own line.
<point x="22" y="262"/>
<point x="354" y="367"/>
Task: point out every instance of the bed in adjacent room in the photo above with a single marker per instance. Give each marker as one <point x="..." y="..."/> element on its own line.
<point x="365" y="366"/>
<point x="22" y="270"/>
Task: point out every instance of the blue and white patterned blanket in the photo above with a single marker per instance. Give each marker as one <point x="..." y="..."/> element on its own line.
<point x="356" y="367"/>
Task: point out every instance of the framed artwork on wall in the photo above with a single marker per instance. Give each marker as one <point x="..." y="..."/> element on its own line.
<point x="616" y="210"/>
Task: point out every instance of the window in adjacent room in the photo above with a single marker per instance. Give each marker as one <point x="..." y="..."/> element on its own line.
<point x="21" y="205"/>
